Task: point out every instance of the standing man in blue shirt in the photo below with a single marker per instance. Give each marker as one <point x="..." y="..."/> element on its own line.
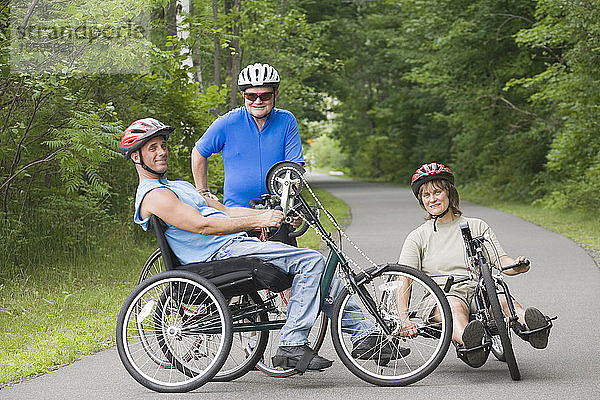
<point x="252" y="139"/>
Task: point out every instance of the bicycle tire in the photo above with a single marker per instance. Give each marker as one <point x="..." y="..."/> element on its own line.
<point x="500" y="322"/>
<point x="247" y="348"/>
<point x="382" y="290"/>
<point x="153" y="265"/>
<point x="180" y="314"/>
<point x="316" y="339"/>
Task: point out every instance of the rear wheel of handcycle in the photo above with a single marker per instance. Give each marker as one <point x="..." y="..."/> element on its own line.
<point x="500" y="322"/>
<point x="174" y="332"/>
<point x="315" y="338"/>
<point x="247" y="347"/>
<point x="387" y="363"/>
<point x="153" y="265"/>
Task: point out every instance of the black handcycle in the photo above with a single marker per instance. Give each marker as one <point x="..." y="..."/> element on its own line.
<point x="176" y="329"/>
<point x="484" y="267"/>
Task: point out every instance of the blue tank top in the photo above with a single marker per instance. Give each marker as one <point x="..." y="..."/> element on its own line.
<point x="188" y="247"/>
<point x="248" y="153"/>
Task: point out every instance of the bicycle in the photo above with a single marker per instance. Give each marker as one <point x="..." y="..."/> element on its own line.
<point x="194" y="338"/>
<point x="490" y="287"/>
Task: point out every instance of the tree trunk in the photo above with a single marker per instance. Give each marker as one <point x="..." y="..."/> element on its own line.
<point x="183" y="32"/>
<point x="236" y="57"/>
<point x="217" y="42"/>
<point x="171" y="16"/>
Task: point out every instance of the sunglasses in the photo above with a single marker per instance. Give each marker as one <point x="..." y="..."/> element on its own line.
<point x="265" y="96"/>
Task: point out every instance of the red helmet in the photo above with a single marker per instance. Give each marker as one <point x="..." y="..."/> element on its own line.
<point x="140" y="132"/>
<point x="429" y="172"/>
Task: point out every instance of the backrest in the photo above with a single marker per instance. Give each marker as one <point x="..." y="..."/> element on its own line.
<point x="159" y="227"/>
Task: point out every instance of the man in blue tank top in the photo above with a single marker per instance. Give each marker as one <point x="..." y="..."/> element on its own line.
<point x="200" y="228"/>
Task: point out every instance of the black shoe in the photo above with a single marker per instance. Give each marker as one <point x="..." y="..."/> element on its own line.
<point x="472" y="353"/>
<point x="300" y="357"/>
<point x="375" y="347"/>
<point x="535" y="320"/>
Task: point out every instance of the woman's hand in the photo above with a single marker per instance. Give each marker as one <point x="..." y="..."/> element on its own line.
<point x="506" y="261"/>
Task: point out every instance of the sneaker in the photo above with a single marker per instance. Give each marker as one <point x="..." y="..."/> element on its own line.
<point x="473" y="355"/>
<point x="373" y="347"/>
<point x="290" y="356"/>
<point x="536" y="320"/>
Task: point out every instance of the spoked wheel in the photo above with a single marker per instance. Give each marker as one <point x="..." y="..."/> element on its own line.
<point x="500" y="322"/>
<point x="315" y="338"/>
<point x="174" y="332"/>
<point x="392" y="360"/>
<point x="247" y="347"/>
<point x="154" y="265"/>
<point x="284" y="179"/>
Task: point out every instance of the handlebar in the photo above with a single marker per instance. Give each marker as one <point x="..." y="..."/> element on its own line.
<point x="451" y="281"/>
<point x="273" y="202"/>
<point x="519" y="264"/>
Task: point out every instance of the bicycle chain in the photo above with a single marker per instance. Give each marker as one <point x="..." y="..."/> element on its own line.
<point x="337" y="227"/>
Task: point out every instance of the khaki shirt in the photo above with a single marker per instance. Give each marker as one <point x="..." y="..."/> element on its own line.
<point x="442" y="253"/>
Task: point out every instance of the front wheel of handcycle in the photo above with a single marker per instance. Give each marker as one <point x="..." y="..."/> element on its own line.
<point x="174" y="332"/>
<point x="375" y="308"/>
<point x="500" y="324"/>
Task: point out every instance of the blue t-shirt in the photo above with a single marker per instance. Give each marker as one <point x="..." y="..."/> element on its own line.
<point x="188" y="247"/>
<point x="248" y="153"/>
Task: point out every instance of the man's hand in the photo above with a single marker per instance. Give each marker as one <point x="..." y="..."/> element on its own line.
<point x="271" y="218"/>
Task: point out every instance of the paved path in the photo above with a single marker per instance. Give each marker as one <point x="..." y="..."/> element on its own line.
<point x="563" y="280"/>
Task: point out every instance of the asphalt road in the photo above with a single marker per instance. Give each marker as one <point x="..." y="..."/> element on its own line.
<point x="563" y="281"/>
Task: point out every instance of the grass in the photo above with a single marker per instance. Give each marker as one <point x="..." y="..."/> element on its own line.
<point x="577" y="225"/>
<point x="67" y="309"/>
<point x="338" y="208"/>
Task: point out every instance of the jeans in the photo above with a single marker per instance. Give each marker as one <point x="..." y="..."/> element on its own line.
<point x="303" y="307"/>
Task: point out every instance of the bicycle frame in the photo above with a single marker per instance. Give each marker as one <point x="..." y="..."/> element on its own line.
<point x="474" y="248"/>
<point x="335" y="258"/>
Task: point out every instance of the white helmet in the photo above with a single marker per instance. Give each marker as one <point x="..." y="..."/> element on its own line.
<point x="258" y="75"/>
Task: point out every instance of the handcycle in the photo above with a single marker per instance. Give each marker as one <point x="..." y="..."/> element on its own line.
<point x="238" y="362"/>
<point x="490" y="288"/>
<point x="175" y="330"/>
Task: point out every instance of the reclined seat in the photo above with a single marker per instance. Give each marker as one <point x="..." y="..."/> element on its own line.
<point x="233" y="276"/>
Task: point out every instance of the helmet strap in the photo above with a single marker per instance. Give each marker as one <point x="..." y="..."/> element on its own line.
<point x="147" y="168"/>
<point x="263" y="117"/>
<point x="436" y="217"/>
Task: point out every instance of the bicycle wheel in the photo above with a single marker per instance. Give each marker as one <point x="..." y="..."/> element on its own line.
<point x="247" y="347"/>
<point x="278" y="312"/>
<point x="153" y="265"/>
<point x="183" y="318"/>
<point x="380" y="295"/>
<point x="500" y="322"/>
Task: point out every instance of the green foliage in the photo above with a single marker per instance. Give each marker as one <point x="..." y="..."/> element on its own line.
<point x="284" y="39"/>
<point x="505" y="93"/>
<point x="325" y="153"/>
<point x="567" y="36"/>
